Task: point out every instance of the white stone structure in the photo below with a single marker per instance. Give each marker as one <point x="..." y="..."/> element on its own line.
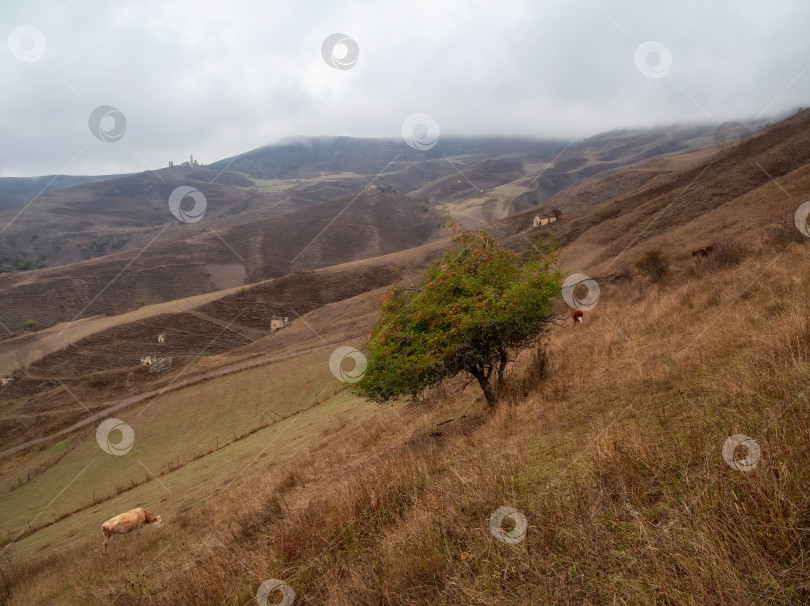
<point x="540" y="220"/>
<point x="277" y="323"/>
<point x="160" y="365"/>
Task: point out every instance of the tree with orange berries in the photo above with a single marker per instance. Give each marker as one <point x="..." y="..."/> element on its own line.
<point x="475" y="305"/>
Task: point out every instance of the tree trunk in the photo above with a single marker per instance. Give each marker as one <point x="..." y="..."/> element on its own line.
<point x="502" y="367"/>
<point x="486" y="386"/>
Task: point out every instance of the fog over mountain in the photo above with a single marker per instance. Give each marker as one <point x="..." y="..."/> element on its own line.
<point x="175" y="79"/>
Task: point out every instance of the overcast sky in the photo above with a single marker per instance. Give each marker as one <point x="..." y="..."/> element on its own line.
<point x="216" y="79"/>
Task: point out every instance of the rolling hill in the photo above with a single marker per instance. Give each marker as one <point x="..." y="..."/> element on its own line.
<point x="21" y="190"/>
<point x="609" y="440"/>
<point x="256" y="228"/>
<point x="97" y="216"/>
<point x="369" y="223"/>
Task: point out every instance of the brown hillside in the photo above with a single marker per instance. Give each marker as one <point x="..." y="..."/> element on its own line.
<point x="610" y="443"/>
<point x="637" y="451"/>
<point x="461" y="183"/>
<point x="63" y="226"/>
<point x="589" y="235"/>
<point x="105" y="366"/>
<point x="714" y="197"/>
<point x="369" y="223"/>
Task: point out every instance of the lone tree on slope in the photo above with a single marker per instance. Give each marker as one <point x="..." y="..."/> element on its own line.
<point x="475" y="305"/>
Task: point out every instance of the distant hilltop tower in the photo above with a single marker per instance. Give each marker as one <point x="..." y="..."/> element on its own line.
<point x="192" y="161"/>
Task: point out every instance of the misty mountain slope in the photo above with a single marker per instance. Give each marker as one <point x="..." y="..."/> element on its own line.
<point x="575" y="202"/>
<point x="478" y="180"/>
<point x="369" y="223"/>
<point x="482" y="192"/>
<point x="469" y="178"/>
<point x="605" y="154"/>
<point x="714" y="197"/>
<point x="20" y="190"/>
<point x="241" y="240"/>
<point x="372" y="222"/>
<point x="103" y="215"/>
<point x="308" y="157"/>
<point x="697" y="195"/>
<point x="93" y="219"/>
<point x="614" y="347"/>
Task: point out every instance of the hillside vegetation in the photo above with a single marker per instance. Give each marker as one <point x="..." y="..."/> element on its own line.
<point x="302" y="204"/>
<point x="610" y="444"/>
<point x="654" y="453"/>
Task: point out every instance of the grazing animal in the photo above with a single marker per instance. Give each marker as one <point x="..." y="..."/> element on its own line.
<point x="577" y="315"/>
<point x="703" y="252"/>
<point x="127" y="522"/>
<point x="161" y="338"/>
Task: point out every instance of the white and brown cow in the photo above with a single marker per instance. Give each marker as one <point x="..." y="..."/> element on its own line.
<point x="127" y="522"/>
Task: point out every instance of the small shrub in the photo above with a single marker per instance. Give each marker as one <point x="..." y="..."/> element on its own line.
<point x="23" y="263"/>
<point x="141" y="302"/>
<point x="623" y="272"/>
<point x="31" y="324"/>
<point x="654" y="264"/>
<point x="727" y="253"/>
<point x="101" y="245"/>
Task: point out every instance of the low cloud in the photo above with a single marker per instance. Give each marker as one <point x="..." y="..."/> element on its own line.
<point x="216" y="81"/>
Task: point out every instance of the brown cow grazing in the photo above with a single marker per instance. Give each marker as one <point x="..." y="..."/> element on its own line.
<point x="577" y="315"/>
<point x="127" y="522"/>
<point x="703" y="252"/>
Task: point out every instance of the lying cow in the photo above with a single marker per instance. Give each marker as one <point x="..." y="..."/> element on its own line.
<point x="577" y="315"/>
<point x="127" y="522"/>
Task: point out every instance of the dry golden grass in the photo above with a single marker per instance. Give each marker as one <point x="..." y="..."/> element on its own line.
<point x="610" y="447"/>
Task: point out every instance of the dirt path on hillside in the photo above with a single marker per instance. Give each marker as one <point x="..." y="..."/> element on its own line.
<point x="29" y="347"/>
<point x="126" y="402"/>
<point x="257" y="334"/>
